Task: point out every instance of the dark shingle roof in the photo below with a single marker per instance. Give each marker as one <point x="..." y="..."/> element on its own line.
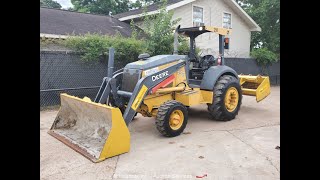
<point x="152" y="7"/>
<point x="63" y="22"/>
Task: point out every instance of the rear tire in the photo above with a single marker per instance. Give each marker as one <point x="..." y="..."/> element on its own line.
<point x="172" y="118"/>
<point x="227" y="99"/>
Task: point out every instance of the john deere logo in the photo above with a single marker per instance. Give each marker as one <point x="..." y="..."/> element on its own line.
<point x="159" y="76"/>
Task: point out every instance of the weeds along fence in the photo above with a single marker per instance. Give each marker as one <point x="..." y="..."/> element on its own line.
<point x="65" y="72"/>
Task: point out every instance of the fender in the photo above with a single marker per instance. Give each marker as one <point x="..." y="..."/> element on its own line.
<point x="211" y="76"/>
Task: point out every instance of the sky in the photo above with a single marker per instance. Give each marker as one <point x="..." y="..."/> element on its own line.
<point x="65" y="3"/>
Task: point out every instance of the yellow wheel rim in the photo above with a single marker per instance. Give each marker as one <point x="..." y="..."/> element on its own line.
<point x="176" y="119"/>
<point x="231" y="99"/>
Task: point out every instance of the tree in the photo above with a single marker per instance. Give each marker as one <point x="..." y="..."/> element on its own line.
<point x="101" y="6"/>
<point x="159" y="30"/>
<point x="267" y="14"/>
<point x="70" y="9"/>
<point x="149" y="2"/>
<point x="136" y="5"/>
<point x="50" y="4"/>
<point x="140" y="3"/>
<point x="109" y="6"/>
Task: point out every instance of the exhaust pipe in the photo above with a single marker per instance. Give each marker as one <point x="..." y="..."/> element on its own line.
<point x="110" y="62"/>
<point x="176" y="42"/>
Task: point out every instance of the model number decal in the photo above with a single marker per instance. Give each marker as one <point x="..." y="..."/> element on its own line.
<point x="159" y="76"/>
<point x="151" y="71"/>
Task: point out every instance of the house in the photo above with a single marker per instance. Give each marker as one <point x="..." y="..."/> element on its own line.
<point x="220" y="13"/>
<point x="57" y="23"/>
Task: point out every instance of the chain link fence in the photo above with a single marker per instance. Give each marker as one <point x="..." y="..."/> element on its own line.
<point x="65" y="72"/>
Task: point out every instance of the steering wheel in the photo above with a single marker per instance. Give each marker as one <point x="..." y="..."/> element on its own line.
<point x="208" y="58"/>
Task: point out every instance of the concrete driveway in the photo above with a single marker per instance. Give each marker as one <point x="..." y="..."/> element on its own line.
<point x="243" y="148"/>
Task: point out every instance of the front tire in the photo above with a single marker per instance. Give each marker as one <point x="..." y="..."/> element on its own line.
<point x="172" y="118"/>
<point x="227" y="99"/>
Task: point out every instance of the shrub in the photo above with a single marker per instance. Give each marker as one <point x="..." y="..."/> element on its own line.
<point x="94" y="45"/>
<point x="264" y="57"/>
<point x="160" y="37"/>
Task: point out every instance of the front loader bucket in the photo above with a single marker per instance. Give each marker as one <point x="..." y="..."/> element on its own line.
<point x="95" y="130"/>
<point x="258" y="86"/>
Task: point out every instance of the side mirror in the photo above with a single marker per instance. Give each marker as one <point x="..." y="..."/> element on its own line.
<point x="226" y="43"/>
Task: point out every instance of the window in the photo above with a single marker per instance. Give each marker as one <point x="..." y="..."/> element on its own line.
<point x="197" y="14"/>
<point x="226" y="20"/>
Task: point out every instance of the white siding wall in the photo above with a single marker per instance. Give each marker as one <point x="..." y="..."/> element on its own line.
<point x="213" y="13"/>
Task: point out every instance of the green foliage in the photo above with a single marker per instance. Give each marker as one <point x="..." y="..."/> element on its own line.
<point x="149" y="2"/>
<point x="135" y="32"/>
<point x="183" y="47"/>
<point x="136" y="5"/>
<point x="159" y="29"/>
<point x="107" y="6"/>
<point x="264" y="57"/>
<point x="50" y="4"/>
<point x="48" y="41"/>
<point x="93" y="46"/>
<point x="101" y="6"/>
<point x="267" y="14"/>
<point x="140" y="3"/>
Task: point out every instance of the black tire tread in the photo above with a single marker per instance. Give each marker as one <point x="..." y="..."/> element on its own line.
<point x="161" y="116"/>
<point x="215" y="109"/>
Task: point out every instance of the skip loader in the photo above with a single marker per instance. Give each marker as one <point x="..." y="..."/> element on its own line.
<point x="162" y="86"/>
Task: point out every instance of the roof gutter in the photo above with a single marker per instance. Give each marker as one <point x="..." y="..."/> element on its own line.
<point x="170" y="7"/>
<point x="54" y="36"/>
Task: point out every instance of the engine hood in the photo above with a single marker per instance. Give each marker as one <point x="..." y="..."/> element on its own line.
<point x="155" y="61"/>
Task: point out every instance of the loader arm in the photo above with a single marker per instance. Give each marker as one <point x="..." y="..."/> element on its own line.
<point x="96" y="130"/>
<point x="144" y="85"/>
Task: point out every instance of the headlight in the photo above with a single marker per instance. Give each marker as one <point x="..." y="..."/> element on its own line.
<point x="200" y="28"/>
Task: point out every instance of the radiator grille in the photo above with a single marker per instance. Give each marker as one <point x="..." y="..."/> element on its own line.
<point x="130" y="79"/>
